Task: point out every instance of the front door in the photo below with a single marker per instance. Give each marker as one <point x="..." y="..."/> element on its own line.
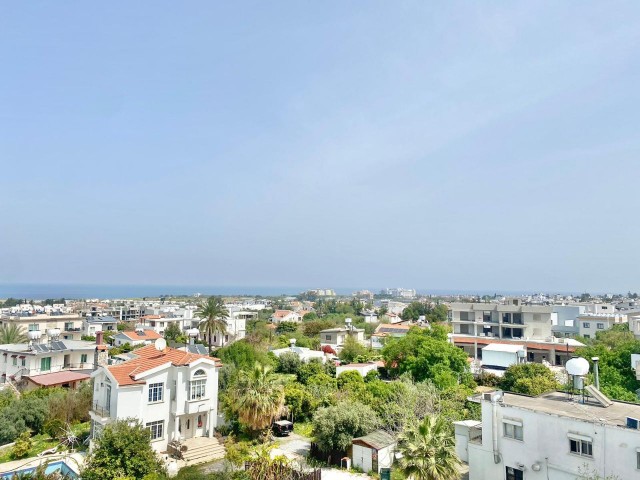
<point x="67" y="361"/>
<point x="200" y="421"/>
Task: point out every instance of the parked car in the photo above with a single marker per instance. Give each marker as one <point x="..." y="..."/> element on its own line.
<point x="282" y="428"/>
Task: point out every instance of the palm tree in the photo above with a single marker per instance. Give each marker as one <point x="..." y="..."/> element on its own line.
<point x="428" y="451"/>
<point x="213" y="314"/>
<point x="257" y="397"/>
<point x="12" y="334"/>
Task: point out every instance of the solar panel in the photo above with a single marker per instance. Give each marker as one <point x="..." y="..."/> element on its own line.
<point x="58" y="346"/>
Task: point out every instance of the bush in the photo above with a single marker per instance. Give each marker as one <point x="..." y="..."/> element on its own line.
<point x="23" y="445"/>
<point x="289" y="362"/>
<point x="54" y="428"/>
<point x="335" y="427"/>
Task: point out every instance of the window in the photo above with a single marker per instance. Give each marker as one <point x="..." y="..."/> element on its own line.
<point x="83" y="358"/>
<point x="586" y="325"/>
<point x="600" y="326"/>
<point x="155" y="392"/>
<point x="514" y="473"/>
<point x="33" y="327"/>
<point x="23" y="361"/>
<point x="637" y="459"/>
<point x="586" y="336"/>
<point x="156" y="429"/>
<point x="198" y="389"/>
<point x="68" y="326"/>
<point x="14" y="360"/>
<point x="327" y="338"/>
<point x="199" y="373"/>
<point x="512" y="429"/>
<point x="581" y="446"/>
<point x="45" y="363"/>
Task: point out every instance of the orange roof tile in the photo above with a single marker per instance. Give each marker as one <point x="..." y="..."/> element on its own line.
<point x="150" y="358"/>
<point x="281" y="313"/>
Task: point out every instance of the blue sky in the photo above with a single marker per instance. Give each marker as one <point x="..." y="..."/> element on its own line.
<point x="435" y="145"/>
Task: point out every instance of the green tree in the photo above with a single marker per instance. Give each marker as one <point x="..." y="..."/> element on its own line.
<point x="257" y="398"/>
<point x="529" y="378"/>
<point x="427" y="355"/>
<point x="428" y="451"/>
<point x="353" y="350"/>
<point x="289" y="362"/>
<point x="173" y="332"/>
<point x="123" y="450"/>
<point x="12" y="333"/>
<point x="335" y="427"/>
<point x="213" y="314"/>
<point x="284" y="327"/>
<point x="299" y="400"/>
<point x="22" y="446"/>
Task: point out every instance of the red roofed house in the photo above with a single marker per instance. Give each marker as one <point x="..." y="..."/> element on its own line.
<point x="172" y="392"/>
<point x="285" y="316"/>
<point x="138" y="337"/>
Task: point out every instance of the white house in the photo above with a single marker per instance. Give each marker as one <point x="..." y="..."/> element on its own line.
<point x="361" y="368"/>
<point x="137" y="337"/>
<point x="285" y="316"/>
<point x="305" y="354"/>
<point x="373" y="452"/>
<point x="64" y="363"/>
<point x="236" y="327"/>
<point x="335" y="337"/>
<point x="93" y="325"/>
<point x="550" y="437"/>
<point x="172" y="392"/>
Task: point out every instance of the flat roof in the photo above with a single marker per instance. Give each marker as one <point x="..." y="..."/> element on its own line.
<point x="563" y="405"/>
<point x="503" y="347"/>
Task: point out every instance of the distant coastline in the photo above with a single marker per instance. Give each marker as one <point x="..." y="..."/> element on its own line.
<point x="41" y="291"/>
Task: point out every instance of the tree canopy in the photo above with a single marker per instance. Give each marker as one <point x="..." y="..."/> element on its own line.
<point x="335" y="427"/>
<point x="529" y="378"/>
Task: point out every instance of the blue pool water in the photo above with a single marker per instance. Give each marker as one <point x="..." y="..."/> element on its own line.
<point x="61" y="467"/>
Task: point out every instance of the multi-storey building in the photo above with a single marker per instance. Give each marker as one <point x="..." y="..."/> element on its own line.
<point x="69" y="325"/>
<point x="591" y="323"/>
<point x="172" y="392"/>
<point x="476" y="325"/>
<point x="555" y="436"/>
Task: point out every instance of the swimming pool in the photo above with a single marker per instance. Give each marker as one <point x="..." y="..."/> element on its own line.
<point x="57" y="466"/>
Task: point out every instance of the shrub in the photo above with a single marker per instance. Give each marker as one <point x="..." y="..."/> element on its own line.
<point x="22" y="446"/>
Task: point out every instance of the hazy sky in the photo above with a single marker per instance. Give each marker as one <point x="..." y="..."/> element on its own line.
<point x="444" y="145"/>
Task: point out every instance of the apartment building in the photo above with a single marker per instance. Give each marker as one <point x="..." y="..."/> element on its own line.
<point x="476" y="325"/>
<point x="69" y="325"/>
<point x="92" y="325"/>
<point x="551" y="437"/>
<point x="336" y="337"/>
<point x="591" y="323"/>
<point x="172" y="392"/>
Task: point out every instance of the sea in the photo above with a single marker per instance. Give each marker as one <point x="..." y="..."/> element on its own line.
<point x="42" y="291"/>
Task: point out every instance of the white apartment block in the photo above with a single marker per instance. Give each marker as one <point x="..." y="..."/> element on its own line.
<point x="591" y="323"/>
<point x="336" y="337"/>
<point x="550" y="437"/>
<point x="172" y="392"/>
<point x="70" y="325"/>
<point x="503" y="321"/>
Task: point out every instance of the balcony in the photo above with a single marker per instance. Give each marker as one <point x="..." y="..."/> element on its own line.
<point x="100" y="411"/>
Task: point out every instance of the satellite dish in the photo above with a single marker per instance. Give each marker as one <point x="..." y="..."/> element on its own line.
<point x="577" y="366"/>
<point x="161" y="344"/>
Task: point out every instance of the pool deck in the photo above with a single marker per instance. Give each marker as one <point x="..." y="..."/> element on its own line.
<point x="73" y="460"/>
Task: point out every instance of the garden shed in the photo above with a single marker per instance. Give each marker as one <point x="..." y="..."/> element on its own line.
<point x="373" y="452"/>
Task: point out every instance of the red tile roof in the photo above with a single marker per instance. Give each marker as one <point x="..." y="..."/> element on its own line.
<point x="148" y="335"/>
<point x="150" y="358"/>
<point x="58" y="378"/>
<point x="281" y="313"/>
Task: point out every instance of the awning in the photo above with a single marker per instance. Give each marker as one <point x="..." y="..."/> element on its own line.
<point x="58" y="378"/>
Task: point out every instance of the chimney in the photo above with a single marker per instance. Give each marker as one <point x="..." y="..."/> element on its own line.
<point x="292" y="343"/>
<point x="99" y="338"/>
<point x="596" y="373"/>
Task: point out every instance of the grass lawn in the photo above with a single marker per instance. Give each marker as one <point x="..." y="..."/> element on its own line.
<point x="42" y="442"/>
<point x="303" y="428"/>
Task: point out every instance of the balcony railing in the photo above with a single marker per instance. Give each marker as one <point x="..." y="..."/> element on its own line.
<point x="100" y="410"/>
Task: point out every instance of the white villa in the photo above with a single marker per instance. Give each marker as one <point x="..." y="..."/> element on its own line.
<point x="172" y="392"/>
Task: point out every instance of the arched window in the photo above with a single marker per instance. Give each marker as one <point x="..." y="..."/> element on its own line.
<point x="198" y="385"/>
